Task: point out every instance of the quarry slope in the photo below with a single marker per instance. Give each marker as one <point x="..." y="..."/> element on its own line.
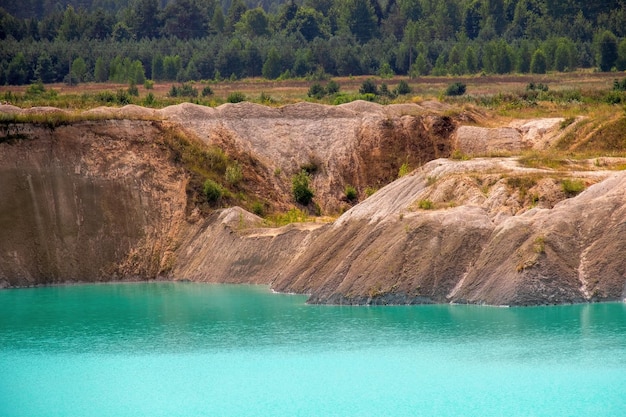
<point x="108" y="197"/>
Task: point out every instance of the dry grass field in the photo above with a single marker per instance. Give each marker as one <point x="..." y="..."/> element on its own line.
<point x="289" y="91"/>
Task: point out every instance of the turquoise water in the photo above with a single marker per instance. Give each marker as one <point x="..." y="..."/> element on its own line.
<point x="164" y="349"/>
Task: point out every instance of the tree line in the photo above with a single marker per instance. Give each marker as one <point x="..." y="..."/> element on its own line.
<point x="181" y="40"/>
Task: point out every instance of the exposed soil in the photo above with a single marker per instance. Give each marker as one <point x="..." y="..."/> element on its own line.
<point x="121" y="198"/>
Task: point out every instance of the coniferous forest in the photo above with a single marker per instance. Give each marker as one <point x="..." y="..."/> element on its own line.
<point x="180" y="40"/>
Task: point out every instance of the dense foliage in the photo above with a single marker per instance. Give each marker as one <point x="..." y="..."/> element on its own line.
<point x="134" y="40"/>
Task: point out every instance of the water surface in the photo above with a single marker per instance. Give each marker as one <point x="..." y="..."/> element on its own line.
<point x="166" y="349"/>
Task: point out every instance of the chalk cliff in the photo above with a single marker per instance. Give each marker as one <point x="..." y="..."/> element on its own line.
<point x="110" y="197"/>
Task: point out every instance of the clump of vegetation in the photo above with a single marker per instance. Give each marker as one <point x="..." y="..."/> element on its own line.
<point x="236" y="97"/>
<point x="292" y="216"/>
<point x="350" y="193"/>
<point x="149" y="100"/>
<point x="258" y="208"/>
<point x="207" y="91"/>
<point x="302" y="193"/>
<point x="536" y="159"/>
<point x="133" y="90"/>
<point x="523" y="184"/>
<point x="369" y="87"/>
<point x="425" y="204"/>
<point x="332" y="87"/>
<point x="404" y="170"/>
<point x="316" y="91"/>
<point x="572" y="188"/>
<point x="148" y="84"/>
<point x="36" y="89"/>
<point x="537" y="87"/>
<point x="369" y="191"/>
<point x="122" y="97"/>
<point x="234" y="174"/>
<point x="456" y="89"/>
<point x="458" y="155"/>
<point x="403" y="88"/>
<point x="212" y="190"/>
<point x="619" y="85"/>
<point x="184" y="90"/>
<point x="266" y="98"/>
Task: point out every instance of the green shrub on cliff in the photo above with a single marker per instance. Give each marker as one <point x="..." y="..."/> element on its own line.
<point x="212" y="190"/>
<point x="572" y="187"/>
<point x="234" y="174"/>
<point x="302" y="193"/>
<point x="351" y="193"/>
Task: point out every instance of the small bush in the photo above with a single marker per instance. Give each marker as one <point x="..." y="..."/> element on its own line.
<point x="184" y="90"/>
<point x="316" y="91"/>
<point x="351" y="193"/>
<point x="458" y="155"/>
<point x="384" y="91"/>
<point x="404" y="169"/>
<point x="426" y="204"/>
<point x="572" y="187"/>
<point x="207" y="91"/>
<point x="292" y="216"/>
<point x="212" y="190"/>
<point x="613" y="97"/>
<point x="106" y="97"/>
<point x="133" y="90"/>
<point x="36" y="89"/>
<point x="122" y="97"/>
<point x="149" y="100"/>
<point x="300" y="188"/>
<point x="258" y="208"/>
<point x="369" y="191"/>
<point x="537" y="87"/>
<point x="266" y="98"/>
<point x="619" y="85"/>
<point x="236" y="97"/>
<point x="233" y="174"/>
<point x="368" y="87"/>
<point x="403" y="88"/>
<point x="148" y="84"/>
<point x="456" y="89"/>
<point x="332" y="87"/>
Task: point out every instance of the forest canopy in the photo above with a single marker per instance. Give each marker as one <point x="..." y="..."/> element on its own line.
<point x="180" y="40"/>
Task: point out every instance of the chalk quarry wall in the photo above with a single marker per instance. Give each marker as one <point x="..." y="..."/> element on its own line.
<point x="105" y="200"/>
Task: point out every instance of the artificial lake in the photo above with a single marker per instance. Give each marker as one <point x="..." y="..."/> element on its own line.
<point x="189" y="349"/>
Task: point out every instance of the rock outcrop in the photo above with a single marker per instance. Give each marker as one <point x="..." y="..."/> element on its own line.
<point x="109" y="198"/>
<point x="519" y="135"/>
<point x="86" y="201"/>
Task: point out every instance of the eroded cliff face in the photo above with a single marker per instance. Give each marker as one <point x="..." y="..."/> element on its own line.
<point x="110" y="199"/>
<point x="88" y="201"/>
<point x="362" y="144"/>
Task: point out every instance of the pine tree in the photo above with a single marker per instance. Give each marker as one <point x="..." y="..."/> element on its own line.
<point x="271" y="67"/>
<point x="538" y="63"/>
<point x="607" y="51"/>
<point x="100" y="72"/>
